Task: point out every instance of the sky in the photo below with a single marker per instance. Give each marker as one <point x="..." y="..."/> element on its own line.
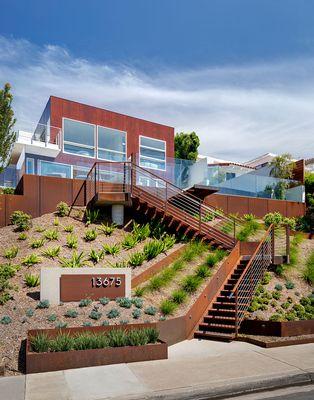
<point x="238" y="72"/>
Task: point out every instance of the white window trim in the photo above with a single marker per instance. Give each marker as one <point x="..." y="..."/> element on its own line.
<point x="152" y="158"/>
<point x="113" y="151"/>
<point x="53" y="162"/>
<point x="79" y="144"/>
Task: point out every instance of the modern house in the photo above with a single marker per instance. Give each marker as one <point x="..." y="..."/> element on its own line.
<point x="70" y="137"/>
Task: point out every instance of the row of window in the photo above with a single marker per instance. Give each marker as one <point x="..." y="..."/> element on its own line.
<point x="80" y="139"/>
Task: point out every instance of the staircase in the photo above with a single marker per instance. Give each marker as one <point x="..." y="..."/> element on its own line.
<point x="154" y="195"/>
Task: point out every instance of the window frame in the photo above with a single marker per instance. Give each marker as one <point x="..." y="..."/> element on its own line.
<point x="32" y="160"/>
<point x="152" y="158"/>
<point x="79" y="144"/>
<point x="53" y="162"/>
<point x="113" y="151"/>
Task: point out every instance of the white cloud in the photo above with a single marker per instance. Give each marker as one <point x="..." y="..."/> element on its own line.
<point x="238" y="111"/>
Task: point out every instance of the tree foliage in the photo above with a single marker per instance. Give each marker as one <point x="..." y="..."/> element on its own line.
<point x="282" y="166"/>
<point x="7" y="121"/>
<point x="186" y="145"/>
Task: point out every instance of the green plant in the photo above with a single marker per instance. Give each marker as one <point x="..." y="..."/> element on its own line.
<point x="31" y="280"/>
<point x="69" y="228"/>
<point x="90" y="235"/>
<point x="156" y="283"/>
<point x="75" y="261"/>
<point x="124" y="321"/>
<point x="29" y="312"/>
<point x="11" y="253"/>
<point x="43" y="304"/>
<point x="31" y="259"/>
<point x="167" y="307"/>
<point x="152" y="334"/>
<point x="168" y="241"/>
<point x="113" y="313"/>
<point x="178" y="265"/>
<point x="62" y="209"/>
<point x="129" y="241"/>
<point x="119" y="264"/>
<point x="153" y="248"/>
<point x="107" y="229"/>
<point x="94" y="314"/>
<point x="273" y="218"/>
<point x="276" y="317"/>
<point x="289" y="285"/>
<point x="139" y="291"/>
<point x="266" y="278"/>
<point x="52" y="317"/>
<point x="72" y="241"/>
<point x="95" y="256"/>
<point x="6" y="320"/>
<point x="138" y="303"/>
<point x="111" y="249"/>
<point x="278" y="287"/>
<point x="117" y="338"/>
<point x="104" y="300"/>
<point x="136" y="313"/>
<point x="51" y="234"/>
<point x="21" y="220"/>
<point x="22" y="236"/>
<point x="86" y="323"/>
<point x="150" y="310"/>
<point x="85" y="302"/>
<point x="105" y="323"/>
<point x="276" y="295"/>
<point x="124" y="302"/>
<point x="308" y="273"/>
<point x="56" y="222"/>
<point x="203" y="271"/>
<point x="136" y="259"/>
<point x="250" y="227"/>
<point x="39" y="229"/>
<point x="71" y="314"/>
<point x="40" y="343"/>
<point x="157" y="228"/>
<point x="285" y="305"/>
<point x="91" y="216"/>
<point x="190" y="283"/>
<point x="51" y="252"/>
<point x="178" y="296"/>
<point x="186" y="146"/>
<point x="220" y="254"/>
<point x="8" y="190"/>
<point x="140" y="232"/>
<point x="137" y="337"/>
<point x="62" y="342"/>
<point x="37" y="243"/>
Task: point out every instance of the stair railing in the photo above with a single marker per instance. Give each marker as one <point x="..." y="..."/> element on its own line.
<point x="244" y="289"/>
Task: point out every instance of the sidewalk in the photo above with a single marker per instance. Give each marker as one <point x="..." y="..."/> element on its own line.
<point x="194" y="369"/>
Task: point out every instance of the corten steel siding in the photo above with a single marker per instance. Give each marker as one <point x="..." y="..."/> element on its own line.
<point x="134" y="127"/>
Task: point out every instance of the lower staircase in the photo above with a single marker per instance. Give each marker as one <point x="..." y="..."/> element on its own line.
<point x="220" y="321"/>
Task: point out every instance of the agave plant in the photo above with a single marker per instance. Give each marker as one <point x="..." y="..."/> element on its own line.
<point x="76" y="261"/>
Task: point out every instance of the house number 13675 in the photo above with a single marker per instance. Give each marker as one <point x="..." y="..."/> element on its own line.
<point x="106" y="282"/>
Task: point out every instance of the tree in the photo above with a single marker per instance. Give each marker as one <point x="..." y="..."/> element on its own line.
<point x="186" y="145"/>
<point x="282" y="166"/>
<point x="7" y="121"/>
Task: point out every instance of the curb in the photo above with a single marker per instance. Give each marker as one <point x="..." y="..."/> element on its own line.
<point x="223" y="389"/>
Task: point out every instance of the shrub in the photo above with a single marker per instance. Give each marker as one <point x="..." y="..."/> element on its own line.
<point x="273" y="218"/>
<point x="40" y="343"/>
<point x="124" y="302"/>
<point x="179" y="296"/>
<point x="43" y="304"/>
<point x="62" y="209"/>
<point x="211" y="259"/>
<point x="86" y="323"/>
<point x="62" y="342"/>
<point x="69" y="228"/>
<point x="150" y="310"/>
<point x="22" y="236"/>
<point x="276" y="317"/>
<point x="203" y="271"/>
<point x="291" y="222"/>
<point x="95" y="256"/>
<point x="52" y="317"/>
<point x="266" y="278"/>
<point x="305" y="301"/>
<point x="29" y="312"/>
<point x="37" y="243"/>
<point x="124" y="321"/>
<point x="178" y="265"/>
<point x="157" y="228"/>
<point x="152" y="334"/>
<point x="137" y="337"/>
<point x="190" y="283"/>
<point x="119" y="264"/>
<point x="276" y="295"/>
<point x="156" y="283"/>
<point x="61" y="325"/>
<point x="167" y="307"/>
<point x="136" y="259"/>
<point x="11" y="253"/>
<point x="8" y="190"/>
<point x="113" y="313"/>
<point x="111" y="249"/>
<point x="107" y="229"/>
<point x="289" y="285"/>
<point x="6" y="320"/>
<point x="91" y="216"/>
<point x="136" y="313"/>
<point x="94" y="314"/>
<point x="90" y="235"/>
<point x="76" y="261"/>
<point x="129" y="241"/>
<point x="51" y="234"/>
<point x="4" y="297"/>
<point x="105" y="323"/>
<point x="21" y="220"/>
<point x="153" y="249"/>
<point x="139" y="291"/>
<point x="168" y="241"/>
<point x="285" y="305"/>
<point x="31" y="259"/>
<point x="51" y="252"/>
<point x="104" y="300"/>
<point x="31" y="280"/>
<point x="85" y="302"/>
<point x="308" y="274"/>
<point x="140" y="232"/>
<point x="117" y="338"/>
<point x="72" y="241"/>
<point x="249" y="217"/>
<point x="220" y="254"/>
<point x="39" y="229"/>
<point x="71" y="314"/>
<point x="56" y="222"/>
<point x="278" y="287"/>
<point x="138" y="303"/>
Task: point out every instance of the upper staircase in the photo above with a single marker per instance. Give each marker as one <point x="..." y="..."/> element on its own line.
<point x="156" y="195"/>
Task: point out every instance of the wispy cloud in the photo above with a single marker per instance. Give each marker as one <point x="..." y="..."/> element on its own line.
<point x="238" y="111"/>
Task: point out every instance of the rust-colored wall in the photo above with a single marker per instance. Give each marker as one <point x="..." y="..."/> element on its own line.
<point x="298" y="172"/>
<point x="133" y="126"/>
<point x="259" y="207"/>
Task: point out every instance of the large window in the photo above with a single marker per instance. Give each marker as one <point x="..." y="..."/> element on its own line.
<point x="58" y="170"/>
<point x="111" y="144"/>
<point x="79" y="138"/>
<point x="152" y="153"/>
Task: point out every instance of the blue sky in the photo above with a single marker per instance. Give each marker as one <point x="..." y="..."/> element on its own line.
<point x="239" y="72"/>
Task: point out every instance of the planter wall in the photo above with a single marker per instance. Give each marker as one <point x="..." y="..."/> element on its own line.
<point x="44" y="362"/>
<point x="281" y="329"/>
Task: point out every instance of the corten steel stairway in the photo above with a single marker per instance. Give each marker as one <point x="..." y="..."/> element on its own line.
<point x="223" y="319"/>
<point x="155" y="196"/>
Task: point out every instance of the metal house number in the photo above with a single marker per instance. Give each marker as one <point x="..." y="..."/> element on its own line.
<point x="106" y="282"/>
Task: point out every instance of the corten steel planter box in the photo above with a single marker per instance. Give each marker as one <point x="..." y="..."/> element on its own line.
<point x="280" y="329"/>
<point x="55" y="361"/>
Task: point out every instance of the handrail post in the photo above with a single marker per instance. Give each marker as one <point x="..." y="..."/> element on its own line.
<point x="166" y="200"/>
<point x="95" y="177"/>
<point x="236" y="313"/>
<point x="234" y="231"/>
<point x="273" y="244"/>
<point x="288" y="244"/>
<point x="200" y="218"/>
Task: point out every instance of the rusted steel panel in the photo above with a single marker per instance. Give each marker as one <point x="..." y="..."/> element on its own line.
<point x="52" y="191"/>
<point x="238" y="205"/>
<point x="258" y="207"/>
<point x="298" y="172"/>
<point x="281" y="329"/>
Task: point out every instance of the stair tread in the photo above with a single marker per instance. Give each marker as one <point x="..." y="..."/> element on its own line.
<point x="213" y="335"/>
